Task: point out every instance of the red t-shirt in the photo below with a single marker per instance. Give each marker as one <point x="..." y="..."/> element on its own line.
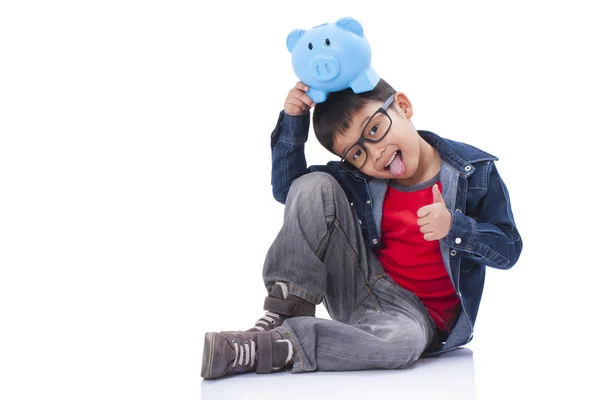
<point x="411" y="261"/>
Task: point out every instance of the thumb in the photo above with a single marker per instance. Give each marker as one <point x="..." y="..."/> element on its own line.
<point x="437" y="195"/>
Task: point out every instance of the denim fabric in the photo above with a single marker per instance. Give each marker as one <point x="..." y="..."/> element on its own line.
<point x="321" y="255"/>
<point x="483" y="231"/>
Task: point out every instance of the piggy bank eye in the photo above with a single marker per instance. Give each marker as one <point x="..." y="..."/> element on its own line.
<point x="310" y="46"/>
<point x="327" y="42"/>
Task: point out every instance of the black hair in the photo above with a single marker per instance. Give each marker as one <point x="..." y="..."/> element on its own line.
<point x="332" y="117"/>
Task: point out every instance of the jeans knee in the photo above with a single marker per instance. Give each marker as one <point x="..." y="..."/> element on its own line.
<point x="410" y="341"/>
<point x="314" y="182"/>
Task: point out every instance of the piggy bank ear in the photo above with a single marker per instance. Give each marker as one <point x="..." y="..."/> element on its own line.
<point x="293" y="38"/>
<point x="351" y="25"/>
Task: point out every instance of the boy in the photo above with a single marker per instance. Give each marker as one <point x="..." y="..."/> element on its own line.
<point x="394" y="239"/>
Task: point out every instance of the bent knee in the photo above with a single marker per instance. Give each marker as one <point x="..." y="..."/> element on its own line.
<point x="404" y="342"/>
<point x="313" y="182"/>
<point x="314" y="179"/>
<point x="410" y="341"/>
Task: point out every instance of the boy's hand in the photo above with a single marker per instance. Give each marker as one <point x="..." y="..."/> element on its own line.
<point x="297" y="101"/>
<point x="435" y="219"/>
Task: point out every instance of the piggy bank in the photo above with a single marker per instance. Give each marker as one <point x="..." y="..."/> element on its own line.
<point x="332" y="57"/>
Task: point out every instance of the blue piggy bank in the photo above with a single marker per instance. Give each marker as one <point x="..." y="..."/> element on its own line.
<point x="332" y="57"/>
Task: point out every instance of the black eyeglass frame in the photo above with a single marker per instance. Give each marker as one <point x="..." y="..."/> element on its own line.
<point x="383" y="109"/>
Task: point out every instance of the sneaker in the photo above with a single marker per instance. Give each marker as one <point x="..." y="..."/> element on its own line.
<point x="229" y="353"/>
<point x="280" y="306"/>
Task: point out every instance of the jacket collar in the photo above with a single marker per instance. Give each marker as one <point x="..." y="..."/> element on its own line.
<point x="458" y="155"/>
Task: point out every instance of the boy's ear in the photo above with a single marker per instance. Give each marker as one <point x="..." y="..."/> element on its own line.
<point x="403" y="104"/>
<point x="293" y="38"/>
<point x="351" y="25"/>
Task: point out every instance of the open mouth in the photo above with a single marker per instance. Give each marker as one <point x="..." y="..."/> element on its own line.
<point x="396" y="164"/>
<point x="396" y="154"/>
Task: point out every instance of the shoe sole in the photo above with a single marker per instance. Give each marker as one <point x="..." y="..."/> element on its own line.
<point x="208" y="355"/>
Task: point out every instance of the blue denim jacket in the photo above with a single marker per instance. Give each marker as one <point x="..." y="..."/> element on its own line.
<point x="483" y="231"/>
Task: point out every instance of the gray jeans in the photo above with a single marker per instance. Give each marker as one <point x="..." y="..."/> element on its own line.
<point x="321" y="254"/>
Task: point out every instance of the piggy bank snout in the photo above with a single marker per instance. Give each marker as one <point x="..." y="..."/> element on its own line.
<point x="324" y="68"/>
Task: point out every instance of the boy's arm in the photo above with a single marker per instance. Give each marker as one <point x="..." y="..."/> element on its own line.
<point x="287" y="152"/>
<point x="493" y="239"/>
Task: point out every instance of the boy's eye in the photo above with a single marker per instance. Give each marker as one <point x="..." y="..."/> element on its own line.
<point x="356" y="154"/>
<point x="373" y="130"/>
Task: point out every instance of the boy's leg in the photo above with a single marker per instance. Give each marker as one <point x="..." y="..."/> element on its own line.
<point x="320" y="254"/>
<point x="391" y="332"/>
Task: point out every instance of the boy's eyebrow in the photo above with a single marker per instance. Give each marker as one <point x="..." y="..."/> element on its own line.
<point x="362" y="125"/>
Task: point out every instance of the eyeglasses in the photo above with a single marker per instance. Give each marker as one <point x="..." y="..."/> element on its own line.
<point x="376" y="128"/>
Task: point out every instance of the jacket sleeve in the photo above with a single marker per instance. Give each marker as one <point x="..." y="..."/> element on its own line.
<point x="493" y="239"/>
<point x="287" y="152"/>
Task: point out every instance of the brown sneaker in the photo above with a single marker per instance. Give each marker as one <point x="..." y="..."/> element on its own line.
<point x="280" y="306"/>
<point x="229" y="353"/>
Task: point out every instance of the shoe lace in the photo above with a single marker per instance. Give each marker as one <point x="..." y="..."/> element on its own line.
<point x="266" y="319"/>
<point x="245" y="353"/>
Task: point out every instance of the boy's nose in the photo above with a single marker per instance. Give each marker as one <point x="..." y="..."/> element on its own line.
<point x="375" y="151"/>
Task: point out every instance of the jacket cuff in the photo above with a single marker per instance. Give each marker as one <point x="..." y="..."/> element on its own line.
<point x="462" y="232"/>
<point x="292" y="129"/>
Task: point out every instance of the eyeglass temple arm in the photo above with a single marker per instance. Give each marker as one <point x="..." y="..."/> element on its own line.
<point x="388" y="102"/>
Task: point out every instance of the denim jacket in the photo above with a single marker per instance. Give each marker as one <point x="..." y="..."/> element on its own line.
<point x="483" y="231"/>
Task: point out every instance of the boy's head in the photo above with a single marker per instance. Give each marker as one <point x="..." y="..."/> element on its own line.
<point x="383" y="135"/>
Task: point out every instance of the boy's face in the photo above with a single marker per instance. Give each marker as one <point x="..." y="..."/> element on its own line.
<point x="400" y="144"/>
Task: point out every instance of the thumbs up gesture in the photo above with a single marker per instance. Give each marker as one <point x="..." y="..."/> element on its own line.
<point x="435" y="219"/>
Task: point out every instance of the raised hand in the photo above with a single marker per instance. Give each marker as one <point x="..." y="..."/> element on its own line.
<point x="297" y="101"/>
<point x="435" y="219"/>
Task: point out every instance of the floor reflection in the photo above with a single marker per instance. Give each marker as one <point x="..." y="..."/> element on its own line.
<point x="450" y="376"/>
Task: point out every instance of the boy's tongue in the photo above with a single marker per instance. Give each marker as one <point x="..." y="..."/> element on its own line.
<point x="397" y="166"/>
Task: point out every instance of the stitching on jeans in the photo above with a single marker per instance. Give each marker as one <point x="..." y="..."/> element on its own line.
<point x="294" y="345"/>
<point x="377" y="302"/>
<point x="357" y="260"/>
<point x="324" y="242"/>
<point x="415" y="302"/>
<point x="357" y="307"/>
<point x="336" y="224"/>
<point x="372" y="294"/>
<point x="378" y="306"/>
<point x="315" y="297"/>
<point x="355" y="256"/>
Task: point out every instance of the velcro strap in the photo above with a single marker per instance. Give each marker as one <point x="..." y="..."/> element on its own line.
<point x="265" y="352"/>
<point x="289" y="308"/>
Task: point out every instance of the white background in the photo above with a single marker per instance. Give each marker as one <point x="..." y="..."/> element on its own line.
<point x="135" y="196"/>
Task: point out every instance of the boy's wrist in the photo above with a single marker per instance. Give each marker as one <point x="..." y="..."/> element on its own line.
<point x="462" y="232"/>
<point x="296" y="115"/>
<point x="293" y="129"/>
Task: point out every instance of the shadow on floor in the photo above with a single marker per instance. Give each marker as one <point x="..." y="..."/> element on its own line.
<point x="450" y="376"/>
